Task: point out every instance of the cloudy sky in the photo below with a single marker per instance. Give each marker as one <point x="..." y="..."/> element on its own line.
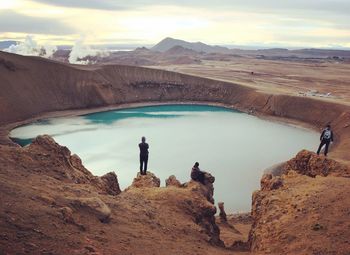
<point x="298" y="23"/>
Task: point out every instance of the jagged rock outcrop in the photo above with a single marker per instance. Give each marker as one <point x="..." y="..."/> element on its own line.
<point x="207" y="189"/>
<point x="148" y="180"/>
<point x="195" y="199"/>
<point x="297" y="214"/>
<point x="204" y="215"/>
<point x="172" y="181"/>
<point x="222" y="214"/>
<point x="64" y="166"/>
<point x="57" y="162"/>
<point x="310" y="164"/>
<point x="110" y="183"/>
<point x="204" y="212"/>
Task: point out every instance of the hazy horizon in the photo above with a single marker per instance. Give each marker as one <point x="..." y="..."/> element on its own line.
<point x="229" y="46"/>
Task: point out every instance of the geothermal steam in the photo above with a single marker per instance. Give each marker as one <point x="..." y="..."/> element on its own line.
<point x="31" y="48"/>
<point x="81" y="51"/>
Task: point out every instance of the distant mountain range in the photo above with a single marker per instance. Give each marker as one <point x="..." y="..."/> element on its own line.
<point x="174" y="51"/>
<point x="168" y="43"/>
<point x="175" y="45"/>
<point x="6" y="44"/>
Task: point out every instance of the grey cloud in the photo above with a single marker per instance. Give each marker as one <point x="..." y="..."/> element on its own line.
<point x="298" y="6"/>
<point x="335" y="6"/>
<point x="11" y="21"/>
<point x="310" y="39"/>
<point x="88" y="4"/>
<point x="328" y="13"/>
<point x="280" y="15"/>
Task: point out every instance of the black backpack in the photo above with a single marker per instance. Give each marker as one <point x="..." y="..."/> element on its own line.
<point x="327" y="134"/>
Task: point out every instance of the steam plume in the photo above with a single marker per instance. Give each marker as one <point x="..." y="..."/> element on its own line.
<point x="81" y="51"/>
<point x="30" y="47"/>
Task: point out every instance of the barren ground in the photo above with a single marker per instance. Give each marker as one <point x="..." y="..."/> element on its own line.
<point x="276" y="77"/>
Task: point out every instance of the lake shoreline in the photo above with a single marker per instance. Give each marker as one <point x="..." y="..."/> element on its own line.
<point x="6" y="129"/>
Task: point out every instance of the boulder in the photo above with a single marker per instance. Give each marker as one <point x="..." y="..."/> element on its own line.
<point x="145" y="181"/>
<point x="269" y="182"/>
<point x="110" y="183"/>
<point x="172" y="181"/>
<point x="311" y="164"/>
<point x="93" y="205"/>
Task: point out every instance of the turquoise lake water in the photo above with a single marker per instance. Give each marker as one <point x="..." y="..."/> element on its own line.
<point x="235" y="147"/>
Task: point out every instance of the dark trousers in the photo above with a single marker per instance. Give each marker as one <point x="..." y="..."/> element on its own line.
<point x="143" y="163"/>
<point x="323" y="142"/>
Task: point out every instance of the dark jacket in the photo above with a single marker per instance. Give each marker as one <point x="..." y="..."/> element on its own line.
<point x="197" y="174"/>
<point x="325" y="136"/>
<point x="143" y="149"/>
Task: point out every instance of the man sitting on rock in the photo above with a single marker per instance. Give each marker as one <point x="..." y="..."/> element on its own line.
<point x="197" y="174"/>
<point x="326" y="138"/>
<point x="143" y="155"/>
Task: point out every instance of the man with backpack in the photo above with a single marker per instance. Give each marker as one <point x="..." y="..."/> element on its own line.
<point x="326" y="138"/>
<point x="143" y="155"/>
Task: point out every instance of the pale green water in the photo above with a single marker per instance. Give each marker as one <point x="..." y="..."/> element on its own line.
<point x="233" y="146"/>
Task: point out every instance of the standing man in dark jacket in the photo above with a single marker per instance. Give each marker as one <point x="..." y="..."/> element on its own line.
<point x="143" y="155"/>
<point x="326" y="138"/>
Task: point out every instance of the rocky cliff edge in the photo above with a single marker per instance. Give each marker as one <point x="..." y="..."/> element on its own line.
<point x="302" y="208"/>
<point x="51" y="204"/>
